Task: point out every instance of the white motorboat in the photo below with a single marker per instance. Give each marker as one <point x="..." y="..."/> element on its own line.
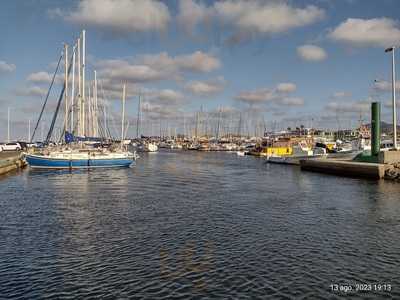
<point x="299" y="153"/>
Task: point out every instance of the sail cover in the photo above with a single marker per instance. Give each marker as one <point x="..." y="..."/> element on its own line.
<point x="69" y="137"/>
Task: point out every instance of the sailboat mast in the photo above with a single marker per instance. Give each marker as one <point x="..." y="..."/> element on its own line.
<point x="184" y="126"/>
<point x="138" y="119"/>
<point x="42" y="132"/>
<point x="201" y="122"/>
<point x="95" y="110"/>
<point x="218" y="124"/>
<point x="83" y="81"/>
<point x="79" y="88"/>
<point x="160" y="127"/>
<point x="89" y="117"/>
<point x="123" y="115"/>
<point x="197" y="125"/>
<point x="105" y="118"/>
<point x="240" y="125"/>
<point x="29" y="130"/>
<point x="72" y="90"/>
<point x="66" y="86"/>
<point x="265" y="127"/>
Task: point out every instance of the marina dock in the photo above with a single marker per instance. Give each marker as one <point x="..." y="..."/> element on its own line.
<point x="344" y="168"/>
<point x="10" y="161"/>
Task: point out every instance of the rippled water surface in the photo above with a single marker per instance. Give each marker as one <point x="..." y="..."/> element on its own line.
<point x="184" y="225"/>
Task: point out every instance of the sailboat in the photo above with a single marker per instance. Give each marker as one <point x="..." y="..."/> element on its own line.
<point x="144" y="146"/>
<point x="79" y="151"/>
<point x="70" y="159"/>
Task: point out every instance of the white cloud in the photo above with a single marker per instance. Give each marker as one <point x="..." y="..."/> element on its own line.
<point x="311" y="53"/>
<point x="339" y="95"/>
<point x="113" y="89"/>
<point x="110" y="63"/>
<point x="349" y="107"/>
<point x="266" y="17"/>
<point x="206" y="88"/>
<point x="121" y="16"/>
<point x="389" y="104"/>
<point x="39" y="77"/>
<point x="198" y="62"/>
<point x="381" y="32"/>
<point x="156" y="67"/>
<point x="248" y="17"/>
<point x="164" y="103"/>
<point x="256" y="96"/>
<point x="44" y="77"/>
<point x="156" y="111"/>
<point x="33" y="91"/>
<point x="133" y="73"/>
<point x="277" y="95"/>
<point x="286" y="87"/>
<point x="191" y="13"/>
<point x="6" y="67"/>
<point x="292" y="101"/>
<point x="166" y="97"/>
<point x="385" y="86"/>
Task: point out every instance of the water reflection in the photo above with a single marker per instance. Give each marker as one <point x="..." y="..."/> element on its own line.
<point x="195" y="224"/>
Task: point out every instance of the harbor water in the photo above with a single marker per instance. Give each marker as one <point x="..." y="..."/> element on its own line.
<point x="182" y="225"/>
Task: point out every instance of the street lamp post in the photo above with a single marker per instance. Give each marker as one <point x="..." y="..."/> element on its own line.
<point x="391" y="49"/>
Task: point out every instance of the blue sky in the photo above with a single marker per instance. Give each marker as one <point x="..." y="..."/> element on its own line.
<point x="288" y="62"/>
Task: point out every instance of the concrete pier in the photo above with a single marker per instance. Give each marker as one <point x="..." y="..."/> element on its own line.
<point x="344" y="168"/>
<point x="389" y="157"/>
<point x="10" y="161"/>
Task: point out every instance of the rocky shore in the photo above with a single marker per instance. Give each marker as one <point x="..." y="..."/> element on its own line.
<point x="392" y="172"/>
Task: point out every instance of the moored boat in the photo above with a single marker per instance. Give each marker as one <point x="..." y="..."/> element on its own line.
<point x="80" y="159"/>
<point x="86" y="144"/>
<point x="241" y="153"/>
<point x="291" y="160"/>
<point x="299" y="152"/>
<point x="149" y="147"/>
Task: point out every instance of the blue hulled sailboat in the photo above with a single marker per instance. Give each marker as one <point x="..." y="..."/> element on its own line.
<point x="80" y="151"/>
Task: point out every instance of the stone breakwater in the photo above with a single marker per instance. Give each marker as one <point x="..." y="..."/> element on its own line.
<point x="393" y="172"/>
<point x="10" y="161"/>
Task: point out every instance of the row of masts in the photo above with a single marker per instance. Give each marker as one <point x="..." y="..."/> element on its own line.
<point x="82" y="111"/>
<point x="85" y="108"/>
<point x="200" y="124"/>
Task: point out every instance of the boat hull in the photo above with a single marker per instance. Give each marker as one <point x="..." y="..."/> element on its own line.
<point x="292" y="160"/>
<point x="43" y="162"/>
<point x="285" y="160"/>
